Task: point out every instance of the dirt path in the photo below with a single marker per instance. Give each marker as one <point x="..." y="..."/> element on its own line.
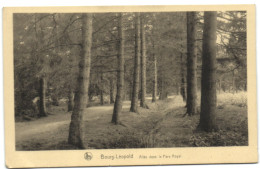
<point x="53" y="124"/>
<point x="52" y="131"/>
<point x="26" y="130"/>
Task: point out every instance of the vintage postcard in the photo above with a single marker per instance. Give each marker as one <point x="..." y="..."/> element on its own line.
<point x="129" y="85"/>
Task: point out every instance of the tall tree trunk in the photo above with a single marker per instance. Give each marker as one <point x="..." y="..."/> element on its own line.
<point x="135" y="91"/>
<point x="125" y="84"/>
<point x="130" y="90"/>
<point x="70" y="100"/>
<point x="233" y="82"/>
<point x="120" y="73"/>
<point x="160" y="89"/>
<point x="183" y="81"/>
<point x="101" y="90"/>
<point x="143" y="65"/>
<point x="76" y="131"/>
<point x="163" y="87"/>
<point x="111" y="91"/>
<point x="155" y="76"/>
<point x="42" y="94"/>
<point x="208" y="77"/>
<point x="163" y="93"/>
<point x="191" y="64"/>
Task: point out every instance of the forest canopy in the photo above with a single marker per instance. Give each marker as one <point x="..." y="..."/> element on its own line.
<point x="48" y="44"/>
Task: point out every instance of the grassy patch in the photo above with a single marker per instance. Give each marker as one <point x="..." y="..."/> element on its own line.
<point x="233" y="129"/>
<point x="163" y="125"/>
<point x="238" y="99"/>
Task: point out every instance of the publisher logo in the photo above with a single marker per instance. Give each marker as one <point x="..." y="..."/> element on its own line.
<point x="88" y="156"/>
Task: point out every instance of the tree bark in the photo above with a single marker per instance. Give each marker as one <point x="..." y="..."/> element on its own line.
<point x="155" y="76"/>
<point x="183" y="81"/>
<point x="120" y="73"/>
<point x="76" y="131"/>
<point x="125" y="84"/>
<point x="70" y="100"/>
<point x="208" y="78"/>
<point x="135" y="91"/>
<point x="191" y="64"/>
<point x="163" y="93"/>
<point x="101" y="90"/>
<point x="111" y="91"/>
<point x="130" y="90"/>
<point x="233" y="82"/>
<point x="42" y="94"/>
<point x="143" y="65"/>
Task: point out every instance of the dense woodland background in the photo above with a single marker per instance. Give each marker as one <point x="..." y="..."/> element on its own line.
<point x="66" y="62"/>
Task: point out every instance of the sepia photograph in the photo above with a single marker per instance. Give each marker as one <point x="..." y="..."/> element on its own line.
<point x="131" y="80"/>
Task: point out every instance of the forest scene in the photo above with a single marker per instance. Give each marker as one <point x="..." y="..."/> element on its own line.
<point x="130" y="80"/>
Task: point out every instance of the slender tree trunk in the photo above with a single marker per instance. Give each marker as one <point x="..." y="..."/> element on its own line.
<point x="125" y="84"/>
<point x="163" y="93"/>
<point x="160" y="89"/>
<point x="111" y="91"/>
<point x="135" y="91"/>
<point x="191" y="64"/>
<point x="120" y="73"/>
<point x="101" y="90"/>
<point x="76" y="131"/>
<point x="233" y="82"/>
<point x="101" y="97"/>
<point x="155" y="77"/>
<point x="130" y="90"/>
<point x="208" y="78"/>
<point x="183" y="81"/>
<point x="143" y="65"/>
<point x="42" y="94"/>
<point x="70" y="100"/>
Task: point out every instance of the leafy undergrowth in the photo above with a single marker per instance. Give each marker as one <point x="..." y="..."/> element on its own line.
<point x="238" y="99"/>
<point x="162" y="125"/>
<point x="233" y="129"/>
<point x="174" y="130"/>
